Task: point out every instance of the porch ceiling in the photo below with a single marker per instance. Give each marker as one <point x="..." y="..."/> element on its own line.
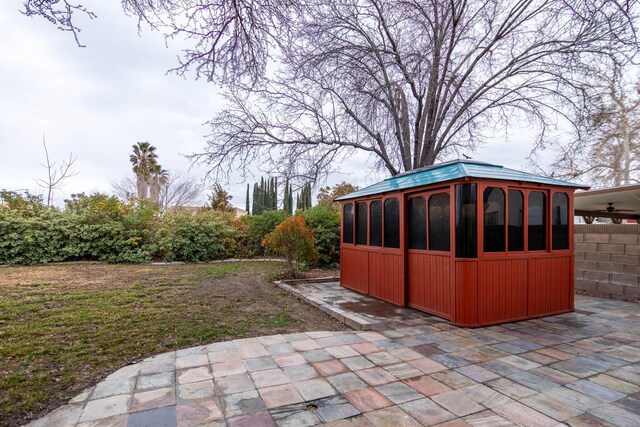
<point x="625" y="201"/>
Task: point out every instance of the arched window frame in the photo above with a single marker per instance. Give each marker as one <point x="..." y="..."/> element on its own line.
<point x="384" y="223"/>
<point x="345" y="234"/>
<point x="503" y="210"/>
<point x="526" y="189"/>
<point x="569" y="219"/>
<point x="361" y="233"/>
<point x="427" y="196"/>
<point x="371" y="229"/>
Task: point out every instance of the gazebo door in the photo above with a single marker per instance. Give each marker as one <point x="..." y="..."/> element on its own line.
<point x="429" y="252"/>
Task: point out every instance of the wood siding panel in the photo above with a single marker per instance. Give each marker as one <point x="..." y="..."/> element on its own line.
<point x="385" y="277"/>
<point x="465" y="307"/>
<point x="354" y="269"/>
<point x="502" y="290"/>
<point x="429" y="283"/>
<point x="550" y="286"/>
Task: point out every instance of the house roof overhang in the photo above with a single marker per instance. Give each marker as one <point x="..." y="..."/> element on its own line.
<point x="625" y="201"/>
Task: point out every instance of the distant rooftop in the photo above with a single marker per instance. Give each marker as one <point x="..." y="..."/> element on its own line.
<point x="455" y="169"/>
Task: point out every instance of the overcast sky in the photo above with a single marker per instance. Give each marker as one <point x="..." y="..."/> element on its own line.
<point x="99" y="100"/>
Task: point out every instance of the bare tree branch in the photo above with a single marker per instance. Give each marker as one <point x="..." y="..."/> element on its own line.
<point x="60" y="13"/>
<point x="178" y="190"/>
<point x="56" y="175"/>
<point x="607" y="149"/>
<point x="410" y="82"/>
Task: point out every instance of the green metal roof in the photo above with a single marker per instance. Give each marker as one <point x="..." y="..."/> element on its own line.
<point x="454" y="170"/>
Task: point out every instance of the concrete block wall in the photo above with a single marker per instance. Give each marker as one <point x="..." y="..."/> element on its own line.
<point x="607" y="259"/>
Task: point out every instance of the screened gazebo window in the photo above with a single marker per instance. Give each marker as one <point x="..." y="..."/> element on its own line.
<point x="516" y="221"/>
<point x="375" y="223"/>
<point x="347" y="220"/>
<point x="417" y="223"/>
<point x="560" y="221"/>
<point x="494" y="227"/>
<point x="466" y="235"/>
<point x="537" y="217"/>
<point x="361" y="223"/>
<point x="439" y="222"/>
<point x="391" y="223"/>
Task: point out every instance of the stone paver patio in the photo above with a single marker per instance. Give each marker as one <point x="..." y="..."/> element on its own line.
<point x="578" y="369"/>
<point x="356" y="310"/>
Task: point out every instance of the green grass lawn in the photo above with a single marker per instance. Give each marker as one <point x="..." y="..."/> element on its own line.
<point x="65" y="327"/>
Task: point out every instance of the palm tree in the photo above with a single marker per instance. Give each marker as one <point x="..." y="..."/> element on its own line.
<point x="158" y="178"/>
<point x="143" y="160"/>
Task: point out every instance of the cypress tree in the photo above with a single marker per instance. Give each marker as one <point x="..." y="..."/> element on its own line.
<point x="247" y="201"/>
<point x="263" y="195"/>
<point x="288" y="198"/>
<point x="304" y="197"/>
<point x="284" y="198"/>
<point x="308" y="196"/>
<point x="302" y="200"/>
<point x="254" y="209"/>
<point x="275" y="193"/>
<point x="305" y="204"/>
<point x="270" y="193"/>
<point x="255" y="192"/>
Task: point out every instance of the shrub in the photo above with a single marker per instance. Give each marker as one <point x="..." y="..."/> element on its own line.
<point x="107" y="229"/>
<point x="30" y="238"/>
<point x="95" y="227"/>
<point x="203" y="236"/>
<point x="292" y="239"/>
<point x="324" y="220"/>
<point x="25" y="202"/>
<point x="260" y="226"/>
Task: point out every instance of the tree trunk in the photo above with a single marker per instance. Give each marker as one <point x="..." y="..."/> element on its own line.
<point x="141" y="183"/>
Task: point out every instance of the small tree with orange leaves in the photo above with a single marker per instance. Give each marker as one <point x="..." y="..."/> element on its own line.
<point x="292" y="239"/>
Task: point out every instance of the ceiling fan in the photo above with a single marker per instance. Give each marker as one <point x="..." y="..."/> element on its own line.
<point x="611" y="209"/>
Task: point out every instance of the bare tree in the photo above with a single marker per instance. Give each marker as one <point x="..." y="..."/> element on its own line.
<point x="607" y="149"/>
<point x="178" y="190"/>
<point x="57" y="173"/>
<point x="409" y="82"/>
<point x="125" y="189"/>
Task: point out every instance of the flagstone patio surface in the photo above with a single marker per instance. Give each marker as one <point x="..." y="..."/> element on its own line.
<point x="578" y="369"/>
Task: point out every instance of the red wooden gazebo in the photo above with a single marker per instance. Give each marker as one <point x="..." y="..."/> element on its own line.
<point x="474" y="243"/>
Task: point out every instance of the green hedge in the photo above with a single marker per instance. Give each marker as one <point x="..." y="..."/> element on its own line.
<point x="204" y="236"/>
<point x="324" y="220"/>
<point x="99" y="227"/>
